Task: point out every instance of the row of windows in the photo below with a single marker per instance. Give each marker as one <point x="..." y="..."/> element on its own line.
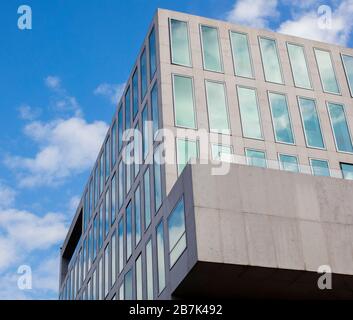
<point x="111" y="263"/>
<point x="250" y="115"/>
<point x="243" y="67"/>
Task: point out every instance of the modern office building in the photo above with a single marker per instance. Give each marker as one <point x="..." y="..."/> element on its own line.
<point x="267" y="201"/>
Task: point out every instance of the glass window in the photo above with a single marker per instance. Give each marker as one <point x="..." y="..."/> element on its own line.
<point x="84" y="260"/>
<point x="212" y="60"/>
<point x="137" y="210"/>
<point x="347" y="170"/>
<point x="137" y="149"/>
<point x="101" y="173"/>
<point x="120" y="128"/>
<point x="241" y="54"/>
<point x="256" y="158"/>
<point x="113" y="200"/>
<point x="184" y="107"/>
<point x="79" y="266"/>
<point x="180" y="42"/>
<point x="106" y="218"/>
<point x="113" y="144"/>
<point x="135" y="94"/>
<point x="90" y="248"/>
<point x="100" y="281"/>
<point x="89" y="288"/>
<point x="217" y="107"/>
<point x="270" y="60"/>
<point x="147" y="197"/>
<point x="280" y="116"/>
<point x="176" y="232"/>
<point x="90" y="209"/>
<point x="143" y="75"/>
<point x="249" y="113"/>
<point x="186" y="149"/>
<point x="85" y="211"/>
<point x="155" y="111"/>
<point x="121" y="183"/>
<point x="152" y="48"/>
<point x="95" y="236"/>
<point x="106" y="271"/>
<point x="96" y="190"/>
<point x="320" y="167"/>
<point x="121" y="292"/>
<point x="100" y="237"/>
<point x="160" y="257"/>
<point x="94" y="285"/>
<point x="121" y="244"/>
<point x="114" y="261"/>
<point x="107" y="159"/>
<point x="157" y="178"/>
<point x="348" y="68"/>
<point x="128" y="166"/>
<point x="138" y="268"/>
<point x="146" y="132"/>
<point x="128" y="216"/>
<point x="149" y="269"/>
<point x="128" y="285"/>
<point x="311" y="123"/>
<point x="128" y="109"/>
<point x="327" y="72"/>
<point x="299" y="66"/>
<point x="340" y="127"/>
<point x="222" y="152"/>
<point x="289" y="163"/>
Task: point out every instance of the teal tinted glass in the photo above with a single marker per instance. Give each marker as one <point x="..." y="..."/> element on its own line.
<point x="153" y="57"/>
<point x="320" y="168"/>
<point x="270" y="60"/>
<point x="220" y="152"/>
<point x="256" y="158"/>
<point x="143" y="74"/>
<point x="186" y="150"/>
<point x="347" y="170"/>
<point x="289" y="163"/>
<point x="241" y="55"/>
<point x="180" y="42"/>
<point x="299" y="66"/>
<point x="211" y="52"/>
<point x="348" y="68"/>
<point x="135" y="95"/>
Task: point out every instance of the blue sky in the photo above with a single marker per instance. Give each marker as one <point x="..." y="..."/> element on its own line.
<point x="58" y="86"/>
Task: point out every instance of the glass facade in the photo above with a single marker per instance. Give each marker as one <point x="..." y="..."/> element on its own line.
<point x="186" y="149"/>
<point x="180" y="48"/>
<point x="241" y="55"/>
<point x="160" y="257"/>
<point x="320" y="167"/>
<point x="157" y="178"/>
<point x="135" y="94"/>
<point x="299" y="66"/>
<point x="270" y="60"/>
<point x="326" y="71"/>
<point x="212" y="60"/>
<point x="256" y="158"/>
<point x="280" y="117"/>
<point x="139" y="285"/>
<point x="128" y="216"/>
<point x="128" y="294"/>
<point x="289" y="163"/>
<point x="137" y="211"/>
<point x="113" y="200"/>
<point x="348" y="68"/>
<point x="221" y="152"/>
<point x="149" y="270"/>
<point x="249" y="113"/>
<point x="143" y="74"/>
<point x="152" y="51"/>
<point x="147" y="198"/>
<point x="121" y="245"/>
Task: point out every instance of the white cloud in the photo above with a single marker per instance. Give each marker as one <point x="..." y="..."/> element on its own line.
<point x="307" y="25"/>
<point x="73" y="204"/>
<point x="28" y="113"/>
<point x="66" y="147"/>
<point x="7" y="196"/>
<point x="255" y="13"/>
<point x="113" y="92"/>
<point x="53" y="82"/>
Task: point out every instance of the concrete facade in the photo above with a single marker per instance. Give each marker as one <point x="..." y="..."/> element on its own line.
<point x="249" y="224"/>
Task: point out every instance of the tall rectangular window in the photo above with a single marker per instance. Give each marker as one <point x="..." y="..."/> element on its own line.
<point x="280" y="117"/>
<point x="128" y="216"/>
<point x="340" y="127"/>
<point x="137" y="149"/>
<point x="212" y="60"/>
<point x="85" y="211"/>
<point x="113" y="200"/>
<point x="121" y="183"/>
<point x="143" y="74"/>
<point x="84" y="258"/>
<point x="121" y="291"/>
<point x="179" y="38"/>
<point x="114" y="261"/>
<point x="153" y="57"/>
<point x="95" y="236"/>
<point x="113" y="144"/>
<point x="320" y="167"/>
<point x="157" y="178"/>
<point x="289" y="163"/>
<point x="155" y="111"/>
<point x="149" y="269"/>
<point x="217" y="107"/>
<point x="311" y="123"/>
<point x="96" y="189"/>
<point x="90" y="208"/>
<point x="90" y="248"/>
<point x="146" y="134"/>
<point x="106" y="218"/>
<point x="348" y="68"/>
<point x="120" y="128"/>
<point x="270" y="60"/>
<point x="138" y="268"/>
<point x="241" y="55"/>
<point x="100" y="281"/>
<point x="137" y="211"/>
<point x="89" y="289"/>
<point x="95" y="285"/>
<point x="347" y="171"/>
<point x="121" y="244"/>
<point x="128" y="166"/>
<point x="184" y="107"/>
<point x="326" y="71"/>
<point x="107" y="159"/>
<point x="256" y="158"/>
<point x="186" y="149"/>
<point x="299" y="66"/>
<point x="79" y="265"/>
<point x="135" y="94"/>
<point x="128" y="109"/>
<point x="249" y="113"/>
<point x="128" y="285"/>
<point x="106" y="271"/>
<point x="101" y="173"/>
<point x="176" y="233"/>
<point x="222" y="152"/>
<point x="101" y="226"/>
<point x="147" y="198"/>
<point x="160" y="257"/>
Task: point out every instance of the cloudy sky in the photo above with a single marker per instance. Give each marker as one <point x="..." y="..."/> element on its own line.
<point x="59" y="84"/>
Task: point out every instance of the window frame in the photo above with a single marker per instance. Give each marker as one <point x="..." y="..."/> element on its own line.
<point x="288" y="155"/>
<point x="256" y="150"/>
<point x="345" y="71"/>
<point x="319" y="159"/>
